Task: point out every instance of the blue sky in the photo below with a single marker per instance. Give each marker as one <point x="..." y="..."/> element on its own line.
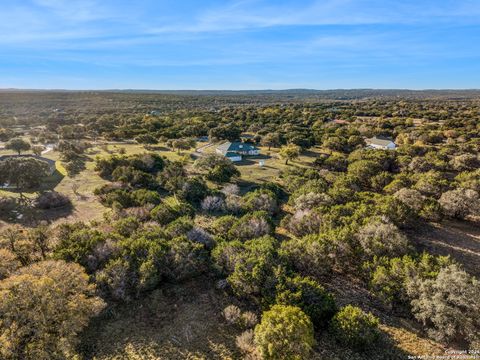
<point x="245" y="44"/>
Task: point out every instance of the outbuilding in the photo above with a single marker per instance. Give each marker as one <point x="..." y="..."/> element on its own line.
<point x="380" y="142"/>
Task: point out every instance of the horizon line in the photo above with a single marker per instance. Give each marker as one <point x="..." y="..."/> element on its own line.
<point x="237" y="90"/>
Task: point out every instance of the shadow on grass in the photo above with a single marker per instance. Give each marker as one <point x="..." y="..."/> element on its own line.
<point x="48" y="183"/>
<point x="26" y="214"/>
<point x="385" y="348"/>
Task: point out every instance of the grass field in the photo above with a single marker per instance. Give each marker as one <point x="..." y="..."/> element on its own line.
<point x="80" y="188"/>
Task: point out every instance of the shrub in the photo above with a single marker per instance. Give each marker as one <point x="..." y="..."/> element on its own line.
<point x="304" y="222"/>
<point x="285" y="332"/>
<point x="186" y="259"/>
<point x="263" y="200"/>
<point x="8" y="263"/>
<point x="218" y="168"/>
<point x="115" y="280"/>
<point x="200" y="235"/>
<point x="246" y="342"/>
<point x="126" y="226"/>
<point x="469" y="180"/>
<point x="7" y="205"/>
<point x="77" y="244"/>
<point x="171" y="209"/>
<point x="143" y="197"/>
<point x="431" y="183"/>
<point x="232" y="314"/>
<point x="51" y="200"/>
<point x="309" y="255"/>
<point x="179" y="227"/>
<point x="449" y="305"/>
<point x="465" y="162"/>
<point x="460" y="203"/>
<point x="354" y="328"/>
<point x="251" y="226"/>
<point x="223" y="224"/>
<point x="248" y="319"/>
<point x="213" y="204"/>
<point x="309" y="296"/>
<point x="390" y="278"/>
<point x="193" y="190"/>
<point x="231" y="189"/>
<point x="380" y="238"/>
<point x="249" y="266"/>
<point x="410" y="197"/>
<point x="312" y="200"/>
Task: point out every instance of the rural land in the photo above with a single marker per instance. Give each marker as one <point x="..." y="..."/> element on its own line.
<point x="296" y="224"/>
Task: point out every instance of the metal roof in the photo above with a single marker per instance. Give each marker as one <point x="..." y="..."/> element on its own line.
<point x="381" y="141"/>
<point x="235" y="147"/>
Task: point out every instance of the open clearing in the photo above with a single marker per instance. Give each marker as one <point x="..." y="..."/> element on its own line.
<point x="459" y="239"/>
<point x="81" y="187"/>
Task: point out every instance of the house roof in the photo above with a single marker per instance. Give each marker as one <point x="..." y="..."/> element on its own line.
<point x="380" y="141"/>
<point x="228" y="146"/>
<point x="232" y="154"/>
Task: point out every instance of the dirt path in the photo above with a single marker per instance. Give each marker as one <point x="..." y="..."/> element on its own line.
<point x="460" y="240"/>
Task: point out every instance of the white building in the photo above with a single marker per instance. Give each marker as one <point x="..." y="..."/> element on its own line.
<point x="379" y="142"/>
<point x="234" y="151"/>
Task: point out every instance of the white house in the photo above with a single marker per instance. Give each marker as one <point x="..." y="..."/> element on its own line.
<point x="234" y="151"/>
<point x="379" y="142"/>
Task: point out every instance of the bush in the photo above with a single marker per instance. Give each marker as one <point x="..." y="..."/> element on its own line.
<point x="246" y="342"/>
<point x="7" y="205"/>
<point x="213" y="204"/>
<point x="390" y="278"/>
<point x="410" y="197"/>
<point x="263" y="200"/>
<point x="186" y="259"/>
<point x="309" y="296"/>
<point x="8" y="263"/>
<point x="304" y="222"/>
<point x="460" y="203"/>
<point x="171" y="209"/>
<point x="144" y="197"/>
<point x="354" y="328"/>
<point x="285" y="332"/>
<point x="380" y="238"/>
<point x="449" y="305"/>
<point x="193" y="190"/>
<point x="218" y="168"/>
<point x="312" y="200"/>
<point x="248" y="319"/>
<point x="249" y="266"/>
<point x="251" y="226"/>
<point x="223" y="224"/>
<point x="310" y="256"/>
<point x="232" y="314"/>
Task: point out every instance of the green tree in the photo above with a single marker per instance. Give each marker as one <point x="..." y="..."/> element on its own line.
<point x="285" y="332"/>
<point x="289" y="152"/>
<point x="23" y="172"/>
<point x="271" y="139"/>
<point x="43" y="307"/>
<point x="18" y="145"/>
<point x="355" y="328"/>
<point x="218" y="168"/>
<point x="309" y="296"/>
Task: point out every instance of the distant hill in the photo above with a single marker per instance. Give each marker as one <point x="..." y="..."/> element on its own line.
<point x="334" y="94"/>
